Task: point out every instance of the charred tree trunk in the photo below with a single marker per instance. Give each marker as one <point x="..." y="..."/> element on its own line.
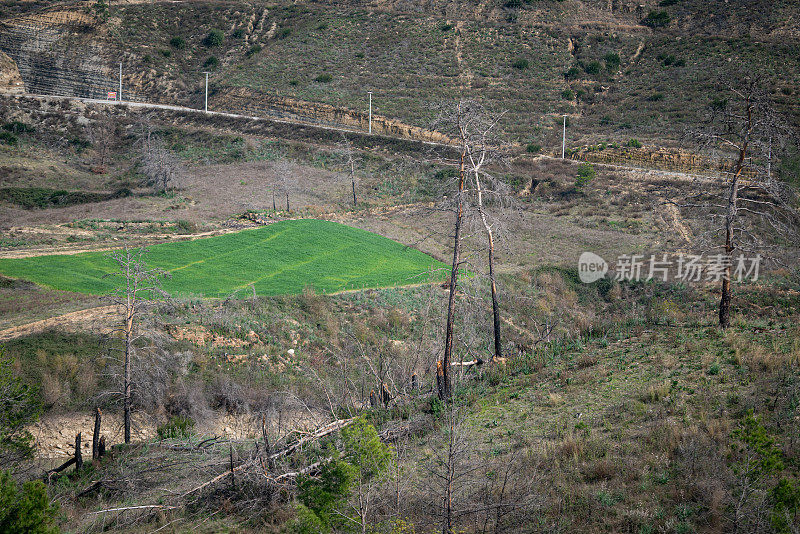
<point x="274" y="207"/>
<point x="730" y="218"/>
<point x="78" y="455"/>
<point x="127" y="377"/>
<point x="353" y="182"/>
<point x="498" y="345"/>
<point x="445" y="385"/>
<point x="96" y="435"/>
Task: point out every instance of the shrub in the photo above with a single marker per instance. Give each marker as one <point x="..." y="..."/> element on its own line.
<point x="513" y="4"/>
<point x="324" y="78"/>
<point x="178" y="42"/>
<point x="586" y="174"/>
<point x="533" y="148"/>
<point x="255" y="49"/>
<point x="573" y="73"/>
<point x="211" y="62"/>
<point x="238" y="33"/>
<point x="178" y="427"/>
<point x="718" y="104"/>
<point x="593" y="67"/>
<point x="656" y="19"/>
<point x="214" y="38"/>
<point x="322" y="26"/>
<point x="666" y="59"/>
<point x="567" y="94"/>
<point x="445" y="27"/>
<point x="559" y="121"/>
<point x="8" y="138"/>
<point x="666" y="3"/>
<point x="612" y="61"/>
<point x="656" y="97"/>
<point x="185" y="227"/>
<point x="165" y="52"/>
<point x="27" y="509"/>
<point x="520" y="64"/>
<point x="18" y="127"/>
<point x="633" y="143"/>
<point x="283" y="33"/>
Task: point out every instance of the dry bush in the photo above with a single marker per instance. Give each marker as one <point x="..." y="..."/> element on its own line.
<point x="663" y="436"/>
<point x="587" y="360"/>
<point x="603" y="469"/>
<point x="656" y="392"/>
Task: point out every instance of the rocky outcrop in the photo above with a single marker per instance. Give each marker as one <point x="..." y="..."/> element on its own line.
<point x="10" y="79"/>
<point x="38" y="45"/>
<point x="650" y="157"/>
<point x="246" y="102"/>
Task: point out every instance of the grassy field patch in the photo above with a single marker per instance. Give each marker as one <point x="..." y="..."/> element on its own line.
<point x="281" y="258"/>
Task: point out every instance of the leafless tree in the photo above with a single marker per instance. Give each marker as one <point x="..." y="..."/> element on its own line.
<point x="102" y="134"/>
<point x="161" y="167"/>
<point x="482" y="149"/>
<point x="470" y="124"/>
<point x="139" y="291"/>
<point x="449" y="467"/>
<point x="753" y="205"/>
<point x="346" y="148"/>
<point x="283" y="171"/>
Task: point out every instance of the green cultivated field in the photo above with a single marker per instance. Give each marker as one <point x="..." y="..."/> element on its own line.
<point x="280" y="258"/>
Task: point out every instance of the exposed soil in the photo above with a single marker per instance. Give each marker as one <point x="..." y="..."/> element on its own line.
<point x="100" y="319"/>
<point x="54" y="434"/>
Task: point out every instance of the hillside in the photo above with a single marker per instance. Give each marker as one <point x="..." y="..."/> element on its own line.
<point x="355" y="337"/>
<point x="595" y="61"/>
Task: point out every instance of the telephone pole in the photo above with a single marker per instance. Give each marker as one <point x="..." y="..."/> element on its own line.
<point x="120" y="82"/>
<point x="564" y="138"/>
<point x="370" y="111"/>
<point x="205" y="108"/>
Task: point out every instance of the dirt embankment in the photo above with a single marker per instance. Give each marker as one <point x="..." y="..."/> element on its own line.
<point x="54" y="435"/>
<point x="100" y="319"/>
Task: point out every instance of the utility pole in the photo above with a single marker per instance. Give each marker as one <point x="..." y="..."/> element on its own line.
<point x="564" y="138"/>
<point x="120" y="82"/>
<point x="205" y="108"/>
<point x="370" y="111"/>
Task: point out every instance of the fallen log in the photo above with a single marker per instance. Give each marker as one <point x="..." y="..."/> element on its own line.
<point x="313" y="436"/>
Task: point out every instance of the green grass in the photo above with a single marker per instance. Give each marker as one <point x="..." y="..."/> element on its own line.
<point x="281" y="258"/>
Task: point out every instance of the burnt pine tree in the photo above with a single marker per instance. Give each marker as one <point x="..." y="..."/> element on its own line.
<point x="139" y="291"/>
<point x="749" y="207"/>
<point x="471" y="128"/>
<point x="481" y="150"/>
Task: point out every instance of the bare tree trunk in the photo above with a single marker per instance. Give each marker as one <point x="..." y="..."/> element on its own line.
<point x="126" y="380"/>
<point x="353" y="182"/>
<point x="274" y="208"/>
<point x="78" y="455"/>
<point x="730" y="217"/>
<point x="96" y="435"/>
<point x="287" y="201"/>
<point x="445" y="386"/>
<point x="498" y="346"/>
